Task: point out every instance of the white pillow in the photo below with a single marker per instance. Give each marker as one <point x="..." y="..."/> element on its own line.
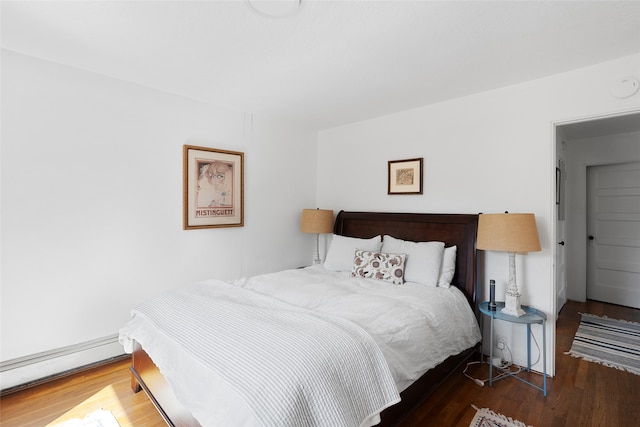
<point x="423" y="259"/>
<point x="448" y="268"/>
<point x="342" y="248"/>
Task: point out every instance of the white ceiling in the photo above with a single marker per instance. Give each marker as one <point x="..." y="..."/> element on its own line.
<point x="330" y="63"/>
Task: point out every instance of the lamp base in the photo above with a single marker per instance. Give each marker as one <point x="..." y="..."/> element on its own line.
<point x="512" y="306"/>
<point x="316" y="258"/>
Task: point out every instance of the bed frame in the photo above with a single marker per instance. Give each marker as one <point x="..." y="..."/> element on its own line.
<point x="453" y="229"/>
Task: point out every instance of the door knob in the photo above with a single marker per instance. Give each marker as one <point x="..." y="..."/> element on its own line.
<point x="561" y="243"/>
<point x="591" y="237"/>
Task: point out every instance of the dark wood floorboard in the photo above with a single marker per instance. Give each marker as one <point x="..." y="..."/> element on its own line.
<point x="581" y="394"/>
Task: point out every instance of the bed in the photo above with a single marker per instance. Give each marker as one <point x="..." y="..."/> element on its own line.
<point x="414" y="384"/>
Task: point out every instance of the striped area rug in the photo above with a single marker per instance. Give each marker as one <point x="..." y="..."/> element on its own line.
<point x="610" y="342"/>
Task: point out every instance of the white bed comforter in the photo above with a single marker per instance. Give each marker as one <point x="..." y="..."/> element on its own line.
<point x="415" y="328"/>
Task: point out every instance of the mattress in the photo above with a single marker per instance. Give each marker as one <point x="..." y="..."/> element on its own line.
<point x="414" y="327"/>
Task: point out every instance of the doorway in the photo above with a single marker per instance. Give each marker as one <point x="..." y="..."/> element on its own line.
<point x="613" y="230"/>
<point x="580" y="145"/>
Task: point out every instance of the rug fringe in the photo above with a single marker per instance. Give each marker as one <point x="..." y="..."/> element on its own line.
<point x="601" y="362"/>
<point x="609" y="318"/>
<point x="504" y="418"/>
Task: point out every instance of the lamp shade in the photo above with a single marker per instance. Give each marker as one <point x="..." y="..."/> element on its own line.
<point x="316" y="221"/>
<point x="508" y="232"/>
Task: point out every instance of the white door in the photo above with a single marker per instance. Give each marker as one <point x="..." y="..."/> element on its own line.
<point x="613" y="230"/>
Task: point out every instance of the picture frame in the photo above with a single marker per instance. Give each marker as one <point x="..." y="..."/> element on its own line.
<point x="213" y="188"/>
<point x="405" y="176"/>
<point x="561" y="176"/>
<point x="558" y="184"/>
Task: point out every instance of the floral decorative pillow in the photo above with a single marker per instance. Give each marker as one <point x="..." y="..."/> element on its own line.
<point x="381" y="266"/>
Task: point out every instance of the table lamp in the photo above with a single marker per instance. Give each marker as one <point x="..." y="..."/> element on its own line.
<point x="511" y="233"/>
<point x="316" y="221"/>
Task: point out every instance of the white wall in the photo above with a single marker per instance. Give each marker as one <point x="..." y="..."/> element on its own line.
<point x="489" y="152"/>
<point x="92" y="203"/>
<point x="582" y="153"/>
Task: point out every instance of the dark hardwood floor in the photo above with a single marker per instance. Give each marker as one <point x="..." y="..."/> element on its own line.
<point x="581" y="394"/>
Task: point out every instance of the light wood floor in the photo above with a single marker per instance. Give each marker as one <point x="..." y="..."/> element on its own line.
<point x="582" y="393"/>
<point x="107" y="387"/>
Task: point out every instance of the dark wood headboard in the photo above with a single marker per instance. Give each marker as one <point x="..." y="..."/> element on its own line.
<point x="452" y="229"/>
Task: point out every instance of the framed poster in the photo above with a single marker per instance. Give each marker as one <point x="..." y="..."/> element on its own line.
<point x="405" y="176"/>
<point x="560" y="192"/>
<point x="213" y="188"/>
<point x="558" y="186"/>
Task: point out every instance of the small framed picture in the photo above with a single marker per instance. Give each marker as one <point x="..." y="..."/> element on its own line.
<point x="405" y="176"/>
<point x="558" y="186"/>
<point x="213" y="188"/>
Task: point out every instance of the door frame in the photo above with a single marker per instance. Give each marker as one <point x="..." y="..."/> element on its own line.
<point x="555" y="125"/>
